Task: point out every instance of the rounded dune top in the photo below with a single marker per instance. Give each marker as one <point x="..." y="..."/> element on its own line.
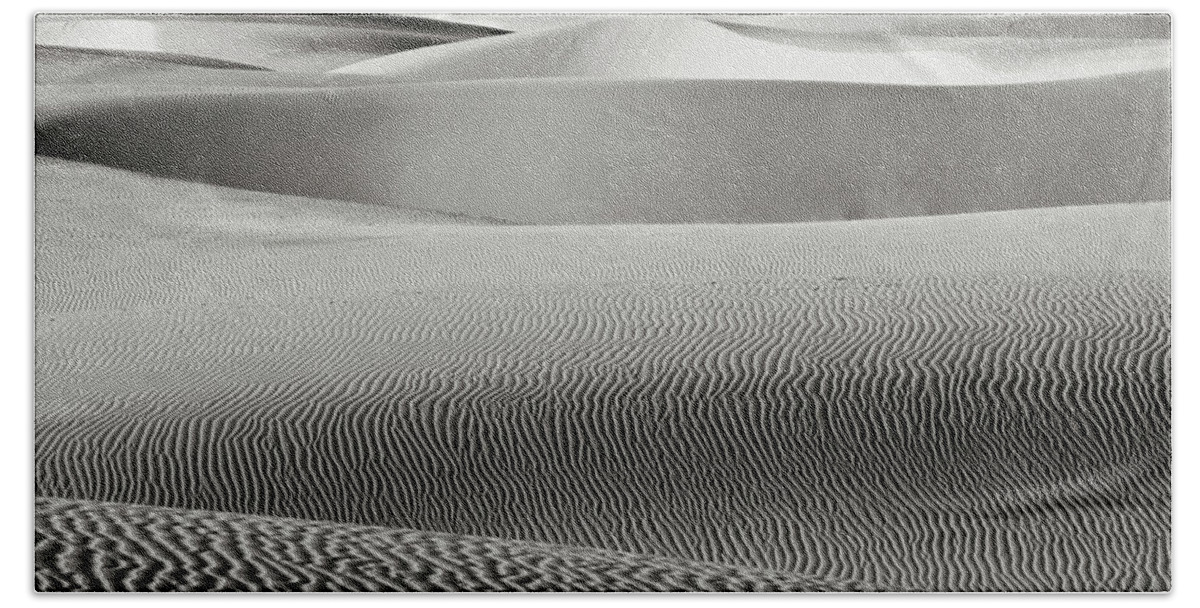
<point x="687" y="47"/>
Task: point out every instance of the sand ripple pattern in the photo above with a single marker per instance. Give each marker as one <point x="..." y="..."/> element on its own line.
<point x="86" y="546"/>
<point x="951" y="434"/>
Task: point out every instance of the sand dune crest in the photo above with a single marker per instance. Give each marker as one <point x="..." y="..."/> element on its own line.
<point x="684" y="47"/>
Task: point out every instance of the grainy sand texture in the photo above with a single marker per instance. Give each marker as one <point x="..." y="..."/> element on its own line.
<point x="603" y="302"/>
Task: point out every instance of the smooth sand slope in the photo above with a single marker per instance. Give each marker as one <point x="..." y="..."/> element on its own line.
<point x="687" y="47"/>
<point x="67" y="78"/>
<point x="963" y="402"/>
<point x="301" y="43"/>
<point x="114" y="547"/>
<point x="1027" y="57"/>
<point x="55" y="54"/>
<point x="1125" y="26"/>
<point x="598" y="151"/>
<point x="1022" y="25"/>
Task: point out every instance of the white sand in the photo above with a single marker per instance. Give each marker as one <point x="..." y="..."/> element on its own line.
<point x="688" y="47"/>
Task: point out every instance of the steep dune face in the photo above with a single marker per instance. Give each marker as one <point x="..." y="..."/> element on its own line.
<point x="300" y="43"/>
<point x="653" y="151"/>
<point x="682" y="47"/>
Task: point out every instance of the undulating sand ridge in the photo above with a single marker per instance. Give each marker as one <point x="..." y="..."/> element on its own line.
<point x="1020" y="25"/>
<point x="100" y="247"/>
<point x="811" y="398"/>
<point x="705" y="424"/>
<point x="311" y="43"/>
<point x="579" y="151"/>
<point x="448" y="29"/>
<point x="1001" y="53"/>
<point x="971" y="25"/>
<point x="196" y="212"/>
<point x="89" y="546"/>
<point x="66" y="78"/>
<point x="146" y="56"/>
<point x="686" y="47"/>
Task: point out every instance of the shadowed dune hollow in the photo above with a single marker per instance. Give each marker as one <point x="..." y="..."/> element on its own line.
<point x="708" y="303"/>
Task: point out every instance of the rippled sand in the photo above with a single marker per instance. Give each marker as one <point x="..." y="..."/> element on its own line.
<point x="257" y="375"/>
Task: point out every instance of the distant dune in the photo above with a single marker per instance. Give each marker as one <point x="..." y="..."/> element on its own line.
<point x="979" y="58"/>
<point x="145" y="56"/>
<point x="1027" y="25"/>
<point x="1125" y="26"/>
<point x="306" y="43"/>
<point x="682" y="47"/>
<point x="582" y="151"/>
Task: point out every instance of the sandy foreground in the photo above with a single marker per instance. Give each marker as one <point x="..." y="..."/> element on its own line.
<point x="603" y="304"/>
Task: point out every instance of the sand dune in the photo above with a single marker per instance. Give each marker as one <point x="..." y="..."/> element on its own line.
<point x="84" y="546"/>
<point x="843" y="429"/>
<point x="146" y="57"/>
<point x="974" y="25"/>
<point x="193" y="210"/>
<point x="306" y="43"/>
<point x="1065" y="55"/>
<point x="1025" y="25"/>
<point x="653" y="151"/>
<point x="100" y="245"/>
<point x="447" y="29"/>
<point x="817" y="399"/>
<point x="640" y="304"/>
<point x="684" y="47"/>
<point x="64" y="72"/>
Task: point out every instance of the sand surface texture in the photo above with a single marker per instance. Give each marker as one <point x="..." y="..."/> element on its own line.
<point x="603" y="303"/>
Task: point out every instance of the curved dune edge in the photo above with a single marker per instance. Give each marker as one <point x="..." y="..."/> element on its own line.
<point x="176" y="58"/>
<point x="998" y="50"/>
<point x="293" y="44"/>
<point x="448" y="28"/>
<point x="95" y="546"/>
<point x="594" y="152"/>
<point x="684" y="47"/>
<point x="184" y="209"/>
<point x="1045" y="25"/>
<point x="100" y="246"/>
